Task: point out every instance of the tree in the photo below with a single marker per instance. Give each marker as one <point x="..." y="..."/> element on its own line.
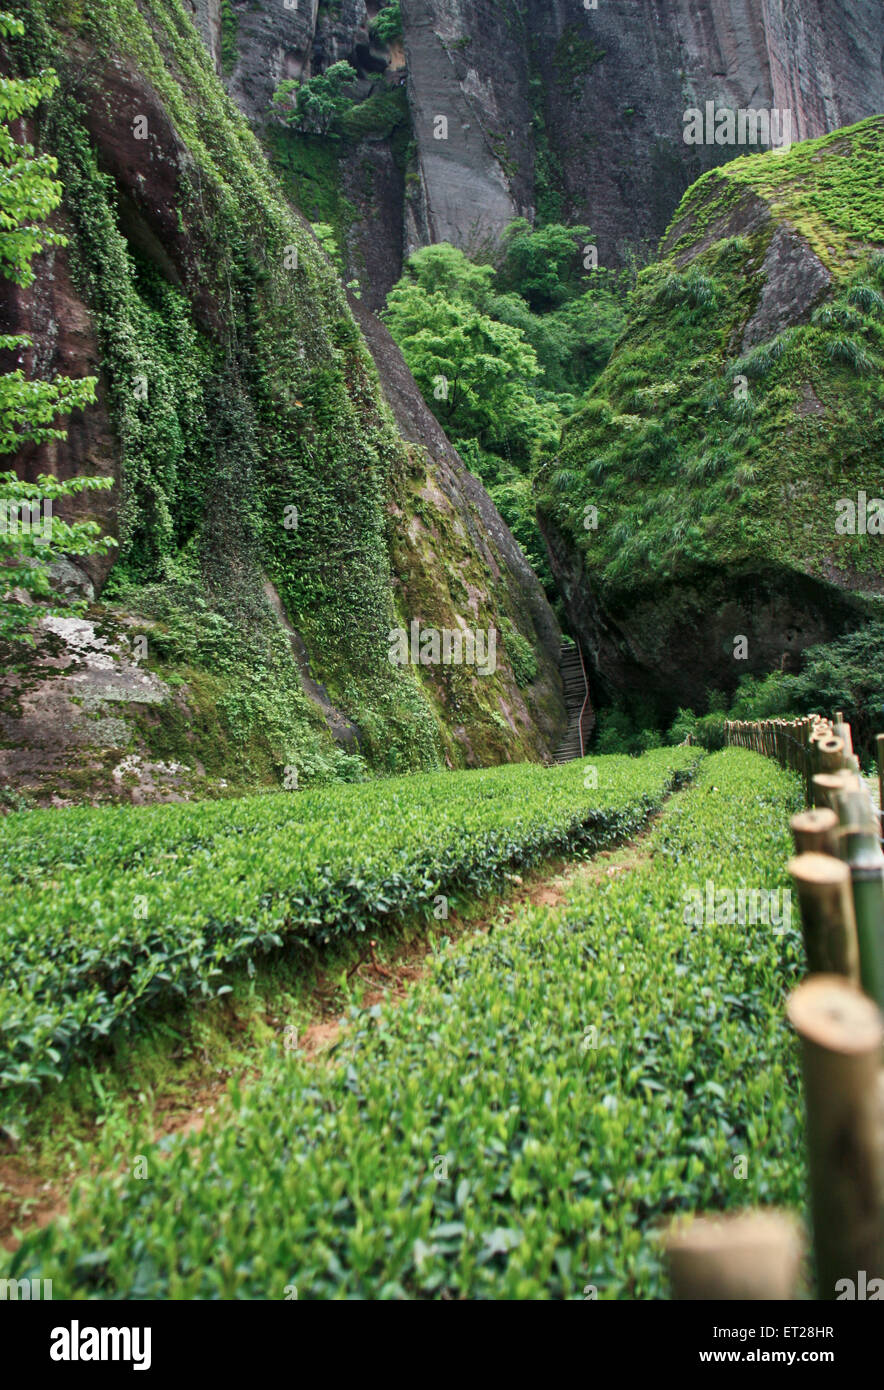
<point x="543" y="266"/>
<point x="573" y="343"/>
<point x="387" y="25"/>
<point x="474" y="372"/>
<point x="443" y="269"/>
<point x="30" y="536"/>
<point x="319" y="102"/>
<point x="499" y="376"/>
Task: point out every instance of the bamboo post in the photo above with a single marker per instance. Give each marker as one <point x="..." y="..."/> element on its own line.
<point x="814" y="831"/>
<point x="841" y="1036"/>
<point x="746" y="1255"/>
<point x="808" y="759"/>
<point x="862" y="851"/>
<point x="816" y="735"/>
<point x="827" y="787"/>
<point x="827" y="914"/>
<point x="842" y="731"/>
<point x="881" y="1131"/>
<point x="852" y="804"/>
<point x="839" y="787"/>
<point x="830" y="753"/>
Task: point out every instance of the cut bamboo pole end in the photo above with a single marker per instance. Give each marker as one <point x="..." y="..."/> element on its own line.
<point x="828" y="786"/>
<point x="841" y="1033"/>
<point x="825" y="895"/>
<point x="830" y="753"/>
<point x="814" y="831"/>
<point x="748" y="1255"/>
<point x="836" y="1016"/>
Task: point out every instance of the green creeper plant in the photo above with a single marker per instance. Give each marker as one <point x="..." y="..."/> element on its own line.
<point x="30" y="537"/>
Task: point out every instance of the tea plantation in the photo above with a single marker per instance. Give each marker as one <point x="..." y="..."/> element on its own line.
<point x="108" y="913"/>
<point x="522" y="1123"/>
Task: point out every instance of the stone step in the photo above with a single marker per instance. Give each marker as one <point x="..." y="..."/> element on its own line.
<point x="576" y="702"/>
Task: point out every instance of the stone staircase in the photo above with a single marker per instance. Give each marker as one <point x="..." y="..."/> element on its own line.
<point x="577" y="701"/>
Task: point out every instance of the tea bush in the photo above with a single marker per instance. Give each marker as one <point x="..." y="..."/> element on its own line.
<point x="479" y="1140"/>
<point x="108" y="912"/>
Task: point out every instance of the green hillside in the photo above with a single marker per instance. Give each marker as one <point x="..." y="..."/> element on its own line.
<point x="697" y="453"/>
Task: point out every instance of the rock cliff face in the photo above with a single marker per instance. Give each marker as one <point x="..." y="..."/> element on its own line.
<point x="571" y="112"/>
<point x="468" y="90"/>
<point x="359" y="185"/>
<point x="594" y="99"/>
<point x="274" y="525"/>
<point x="826" y="61"/>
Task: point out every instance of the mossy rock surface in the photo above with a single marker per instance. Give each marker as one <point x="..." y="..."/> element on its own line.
<point x="695" y="496"/>
<point x="244" y="421"/>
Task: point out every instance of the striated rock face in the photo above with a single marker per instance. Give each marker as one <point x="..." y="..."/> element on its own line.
<point x="556" y="109"/>
<point x="607" y="89"/>
<point x="826" y="61"/>
<point x="273" y="43"/>
<point x="471" y="120"/>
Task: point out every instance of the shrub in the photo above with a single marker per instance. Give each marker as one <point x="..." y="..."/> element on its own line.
<point x="314" y="106"/>
<point x="694" y="289"/>
<point x="683" y="726"/>
<point x="867" y="298"/>
<point x="762" y="359"/>
<point x="850" y="353"/>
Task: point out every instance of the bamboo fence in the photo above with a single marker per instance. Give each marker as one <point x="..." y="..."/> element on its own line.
<point x="838" y="1013"/>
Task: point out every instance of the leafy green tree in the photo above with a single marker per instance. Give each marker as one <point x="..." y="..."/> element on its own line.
<point x="443" y="269"/>
<point x="319" y="103"/>
<point x="30" y="536"/>
<point x="499" y="376"/>
<point x="29" y="191"/>
<point x="573" y="343"/>
<point x="544" y="266"/>
<point x="387" y="26"/>
<point x="474" y="372"/>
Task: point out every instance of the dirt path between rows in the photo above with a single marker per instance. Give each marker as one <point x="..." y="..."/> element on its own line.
<point x="29" y="1197"/>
